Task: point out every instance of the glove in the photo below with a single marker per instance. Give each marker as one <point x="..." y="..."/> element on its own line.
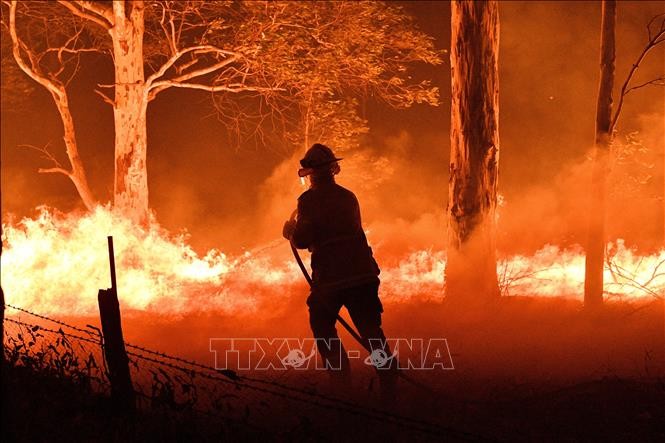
<point x="288" y="229"/>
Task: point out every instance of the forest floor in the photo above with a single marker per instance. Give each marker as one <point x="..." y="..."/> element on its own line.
<point x="529" y="369"/>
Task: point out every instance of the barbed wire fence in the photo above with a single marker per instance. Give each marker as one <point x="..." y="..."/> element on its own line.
<point x="172" y="384"/>
<point x="56" y="353"/>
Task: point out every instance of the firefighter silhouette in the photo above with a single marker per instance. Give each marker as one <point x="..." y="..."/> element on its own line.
<point x="344" y="272"/>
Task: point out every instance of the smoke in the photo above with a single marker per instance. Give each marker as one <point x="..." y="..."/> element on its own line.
<point x="398" y="198"/>
<point x="403" y="197"/>
<point x="237" y="199"/>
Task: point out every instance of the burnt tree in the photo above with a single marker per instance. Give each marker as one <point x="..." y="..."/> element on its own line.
<point x="606" y="124"/>
<point x="474" y="151"/>
<point x="595" y="246"/>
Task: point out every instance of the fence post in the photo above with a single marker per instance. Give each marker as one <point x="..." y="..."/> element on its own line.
<point x="122" y="391"/>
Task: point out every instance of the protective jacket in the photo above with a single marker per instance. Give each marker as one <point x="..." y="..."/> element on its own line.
<point x="329" y="226"/>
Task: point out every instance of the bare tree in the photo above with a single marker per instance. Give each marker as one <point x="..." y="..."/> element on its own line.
<point x="230" y="49"/>
<point x="606" y="122"/>
<point x="52" y="64"/>
<point x="593" y="281"/>
<point x="474" y="151"/>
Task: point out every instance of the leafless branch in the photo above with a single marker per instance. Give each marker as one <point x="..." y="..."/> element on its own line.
<point x="182" y="68"/>
<point x="625" y="278"/>
<point x="51" y="79"/>
<point x="651" y="22"/>
<point x="655" y="38"/>
<point x="169" y="34"/>
<point x="64" y="48"/>
<point x="660" y="81"/>
<point x="71" y="51"/>
<point x="46" y="154"/>
<point x="91" y="11"/>
<point x="54" y="171"/>
<point x="33" y="70"/>
<point x="105" y="97"/>
<point x="508" y="278"/>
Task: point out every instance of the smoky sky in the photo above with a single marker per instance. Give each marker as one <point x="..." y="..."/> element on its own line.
<point x="221" y="193"/>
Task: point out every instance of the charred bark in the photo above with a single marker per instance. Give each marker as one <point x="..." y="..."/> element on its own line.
<point x="474" y="151"/>
<point x="130" y="190"/>
<point x="595" y="247"/>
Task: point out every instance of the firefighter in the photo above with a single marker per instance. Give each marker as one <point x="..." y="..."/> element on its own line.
<point x="344" y="272"/>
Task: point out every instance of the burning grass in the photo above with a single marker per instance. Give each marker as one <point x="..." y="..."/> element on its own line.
<point x="55" y="263"/>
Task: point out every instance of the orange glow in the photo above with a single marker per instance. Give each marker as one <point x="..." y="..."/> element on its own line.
<point x="55" y="264"/>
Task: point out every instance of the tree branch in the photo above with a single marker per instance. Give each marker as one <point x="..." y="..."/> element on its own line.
<point x="660" y="81"/>
<point x="180" y="69"/>
<point x="104" y="21"/>
<point x="54" y="171"/>
<point x="57" y="168"/>
<point x="72" y="51"/>
<point x="175" y="57"/>
<point x="160" y="86"/>
<point x="654" y="40"/>
<point x="236" y="88"/>
<point x="31" y="71"/>
<point x="203" y="71"/>
<point x="169" y="38"/>
<point x="105" y="97"/>
<point x="98" y="8"/>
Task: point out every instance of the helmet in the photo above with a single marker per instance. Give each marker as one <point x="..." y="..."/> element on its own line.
<point x="316" y="157"/>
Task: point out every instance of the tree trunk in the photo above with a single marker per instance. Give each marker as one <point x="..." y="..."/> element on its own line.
<point x="129" y="112"/>
<point x="77" y="174"/>
<point x="474" y="151"/>
<point x="595" y="250"/>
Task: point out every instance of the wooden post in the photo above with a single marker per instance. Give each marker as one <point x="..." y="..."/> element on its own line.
<point x="122" y="391"/>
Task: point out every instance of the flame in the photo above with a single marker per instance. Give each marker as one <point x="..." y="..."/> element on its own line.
<point x="55" y="263"/>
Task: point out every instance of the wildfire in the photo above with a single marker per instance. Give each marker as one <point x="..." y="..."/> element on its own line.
<point x="55" y="263"/>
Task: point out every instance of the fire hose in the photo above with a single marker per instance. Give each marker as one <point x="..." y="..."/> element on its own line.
<point x="364" y="343"/>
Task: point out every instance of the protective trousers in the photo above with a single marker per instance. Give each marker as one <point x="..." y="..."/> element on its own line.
<point x="365" y="310"/>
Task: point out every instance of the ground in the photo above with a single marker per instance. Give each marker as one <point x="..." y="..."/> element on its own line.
<point x="525" y="369"/>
